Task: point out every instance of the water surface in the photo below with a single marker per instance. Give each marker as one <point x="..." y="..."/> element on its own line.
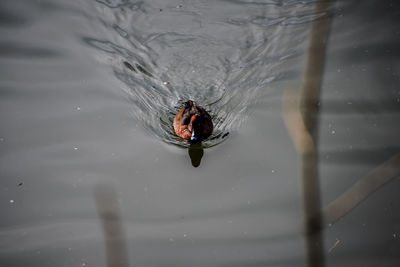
<point x="88" y="92"/>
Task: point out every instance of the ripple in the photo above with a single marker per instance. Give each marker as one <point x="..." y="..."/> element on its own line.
<point x="225" y="64"/>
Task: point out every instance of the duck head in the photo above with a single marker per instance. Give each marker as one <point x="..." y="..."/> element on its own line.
<point x="194" y="128"/>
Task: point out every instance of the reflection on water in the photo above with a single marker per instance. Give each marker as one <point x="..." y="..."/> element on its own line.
<point x="196" y="152"/>
<point x="114" y="236"/>
<point x="226" y="62"/>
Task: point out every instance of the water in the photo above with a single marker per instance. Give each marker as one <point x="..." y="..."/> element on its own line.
<point x="223" y="58"/>
<point x="89" y="162"/>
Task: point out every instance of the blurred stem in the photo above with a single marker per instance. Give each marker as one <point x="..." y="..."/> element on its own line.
<point x="301" y="118"/>
<point x="362" y="189"/>
<point x="309" y="102"/>
<point x="108" y="211"/>
<point x="301" y="110"/>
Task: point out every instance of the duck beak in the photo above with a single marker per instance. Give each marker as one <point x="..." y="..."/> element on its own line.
<point x="193" y="137"/>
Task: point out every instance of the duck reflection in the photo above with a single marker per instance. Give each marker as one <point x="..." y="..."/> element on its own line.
<point x="196" y="152"/>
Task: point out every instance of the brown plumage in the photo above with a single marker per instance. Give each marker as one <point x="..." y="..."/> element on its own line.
<point x="192" y="122"/>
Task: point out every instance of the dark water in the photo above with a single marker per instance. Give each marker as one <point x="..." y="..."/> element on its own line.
<point x="88" y="92"/>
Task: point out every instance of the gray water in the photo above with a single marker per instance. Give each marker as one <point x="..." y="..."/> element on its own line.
<point x="88" y="92"/>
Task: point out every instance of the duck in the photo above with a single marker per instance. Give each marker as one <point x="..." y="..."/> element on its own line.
<point x="193" y="123"/>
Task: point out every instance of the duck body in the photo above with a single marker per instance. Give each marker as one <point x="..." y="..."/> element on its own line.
<point x="192" y="122"/>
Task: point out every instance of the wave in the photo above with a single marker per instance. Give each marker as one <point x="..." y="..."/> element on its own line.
<point x="167" y="55"/>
